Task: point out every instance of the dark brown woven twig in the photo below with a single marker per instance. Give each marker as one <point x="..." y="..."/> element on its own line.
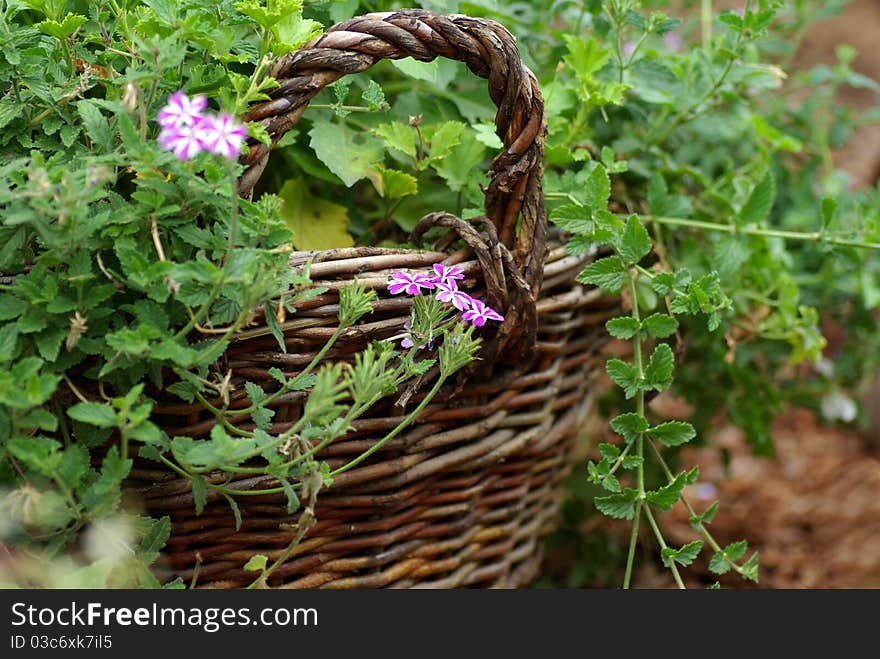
<point x="514" y="193"/>
<point x="463" y="496"/>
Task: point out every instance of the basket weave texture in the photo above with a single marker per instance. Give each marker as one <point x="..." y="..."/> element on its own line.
<point x="464" y="495"/>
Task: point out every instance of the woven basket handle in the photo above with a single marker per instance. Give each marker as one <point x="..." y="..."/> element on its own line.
<point x="514" y="195"/>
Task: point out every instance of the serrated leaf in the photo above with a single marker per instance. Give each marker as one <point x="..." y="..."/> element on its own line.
<point x="200" y="493"/>
<point x="625" y="327"/>
<point x="618" y="506"/>
<point x="394" y="184"/>
<point x="154" y="539"/>
<point x="96" y="414"/>
<point x="673" y="433"/>
<point x="610" y="483"/>
<point x="317" y="224"/>
<point x="658" y="372"/>
<point x="443" y="138"/>
<point x="736" y="550"/>
<point x="760" y="201"/>
<point x="750" y="568"/>
<point x="278" y="375"/>
<point x="660" y="325"/>
<point x="664" y="498"/>
<point x="631" y="462"/>
<point x="256" y="563"/>
<point x="290" y="493"/>
<point x="684" y="556"/>
<point x="629" y="425"/>
<point x="719" y="564"/>
<point x="609" y="451"/>
<point x="634" y="242"/>
<point x="624" y="375"/>
<point x="597" y="189"/>
<point x="397" y="136"/>
<point x="708" y="515"/>
<point x="609" y="274"/>
<point x="348" y="154"/>
<point x="96" y="124"/>
<point x="572" y="218"/>
<point x="236" y="511"/>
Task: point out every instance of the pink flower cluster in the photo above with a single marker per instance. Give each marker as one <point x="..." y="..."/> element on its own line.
<point x="187" y="129"/>
<point x="445" y="284"/>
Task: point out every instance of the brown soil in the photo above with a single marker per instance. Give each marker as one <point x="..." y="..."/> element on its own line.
<point x="813" y="511"/>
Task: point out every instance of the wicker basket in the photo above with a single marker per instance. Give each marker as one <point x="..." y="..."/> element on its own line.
<point x="463" y="496"/>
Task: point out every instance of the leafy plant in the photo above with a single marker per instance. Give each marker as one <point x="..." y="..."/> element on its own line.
<point x="676" y="145"/>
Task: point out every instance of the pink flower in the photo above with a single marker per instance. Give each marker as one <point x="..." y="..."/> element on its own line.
<point x="448" y="292"/>
<point x="479" y="313"/>
<point x="222" y="136"/>
<point x="181" y="110"/>
<point x="183" y="141"/>
<point x="410" y="283"/>
<point x="448" y="275"/>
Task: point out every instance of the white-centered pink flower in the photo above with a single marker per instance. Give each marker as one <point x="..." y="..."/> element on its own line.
<point x="448" y="292"/>
<point x="410" y="283"/>
<point x="448" y="275"/>
<point x="221" y="135"/>
<point x="182" y="141"/>
<point x="479" y="313"/>
<point x="181" y="110"/>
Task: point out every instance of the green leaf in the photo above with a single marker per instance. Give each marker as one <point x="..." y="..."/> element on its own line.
<point x="236" y="512"/>
<point x="635" y="242"/>
<point x="394" y="184"/>
<point x="348" y="154"/>
<point x="290" y="493"/>
<point x="736" y="550"/>
<point x="673" y="433"/>
<point x="597" y="189"/>
<point x="38" y="453"/>
<point x="684" y="556"/>
<point x="665" y="497"/>
<point x="750" y="568"/>
<point x="62" y="30"/>
<point x="658" y="372"/>
<point x="96" y="414"/>
<point x="458" y="168"/>
<point x="572" y="218"/>
<point x="660" y="325"/>
<point x="200" y="493"/>
<point x="443" y="138"/>
<point x="629" y="425"/>
<point x="96" y="124"/>
<point x="609" y="274"/>
<point x="760" y="201"/>
<point x="374" y="96"/>
<point x="625" y="376"/>
<point x="317" y="224"/>
<point x="397" y="136"/>
<point x="625" y="327"/>
<point x="609" y="451"/>
<point x="620" y="505"/>
<point x="256" y="563"/>
<point x="255" y="392"/>
<point x="154" y="539"/>
<point x="103" y="496"/>
<point x="698" y="520"/>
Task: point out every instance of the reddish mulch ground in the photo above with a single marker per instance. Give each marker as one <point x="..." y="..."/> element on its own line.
<point x="813" y="511"/>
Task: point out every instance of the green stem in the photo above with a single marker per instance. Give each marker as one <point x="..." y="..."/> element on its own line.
<point x="639" y="441"/>
<point x="391" y="435"/>
<point x="812" y="236"/>
<point x="662" y="542"/>
<point x="703" y="530"/>
<point x="706" y="16"/>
